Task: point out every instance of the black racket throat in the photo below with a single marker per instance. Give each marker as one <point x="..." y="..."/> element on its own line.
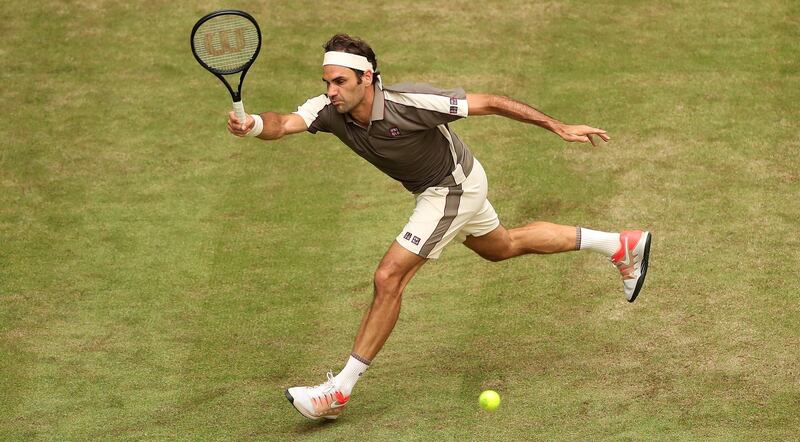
<point x="236" y="94"/>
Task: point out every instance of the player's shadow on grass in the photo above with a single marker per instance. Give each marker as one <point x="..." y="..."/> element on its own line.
<point x="310" y="427"/>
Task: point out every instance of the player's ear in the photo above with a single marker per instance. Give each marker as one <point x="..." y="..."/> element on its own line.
<point x="368" y="77"/>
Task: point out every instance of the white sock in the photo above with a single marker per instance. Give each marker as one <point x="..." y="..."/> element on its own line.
<point x="601" y="242"/>
<point x="347" y="378"/>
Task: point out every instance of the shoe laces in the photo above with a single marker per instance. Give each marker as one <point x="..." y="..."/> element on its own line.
<point x="328" y="386"/>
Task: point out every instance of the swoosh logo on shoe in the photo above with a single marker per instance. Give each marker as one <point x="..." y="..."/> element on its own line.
<point x="626" y="260"/>
<point x="340" y="400"/>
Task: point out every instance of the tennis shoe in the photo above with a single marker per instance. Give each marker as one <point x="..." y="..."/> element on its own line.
<point x="631" y="260"/>
<point x="318" y="402"/>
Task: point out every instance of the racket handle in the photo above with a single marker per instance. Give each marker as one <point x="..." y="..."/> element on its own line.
<point x="238" y="109"/>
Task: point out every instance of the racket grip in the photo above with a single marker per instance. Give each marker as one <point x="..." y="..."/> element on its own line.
<point x="238" y="109"/>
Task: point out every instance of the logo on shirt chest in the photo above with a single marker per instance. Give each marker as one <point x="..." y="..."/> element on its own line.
<point x="394" y="132"/>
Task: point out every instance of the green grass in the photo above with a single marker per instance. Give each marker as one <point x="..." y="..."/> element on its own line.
<point x="160" y="279"/>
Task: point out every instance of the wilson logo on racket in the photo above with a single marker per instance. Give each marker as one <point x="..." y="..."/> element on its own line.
<point x="224" y="39"/>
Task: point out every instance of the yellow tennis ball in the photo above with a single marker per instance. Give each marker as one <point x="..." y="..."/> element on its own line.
<point x="489" y="400"/>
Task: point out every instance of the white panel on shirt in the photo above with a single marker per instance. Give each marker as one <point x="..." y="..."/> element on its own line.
<point x="309" y="110"/>
<point x="437" y="103"/>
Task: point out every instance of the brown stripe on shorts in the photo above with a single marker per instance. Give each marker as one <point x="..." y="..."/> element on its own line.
<point x="451" y="203"/>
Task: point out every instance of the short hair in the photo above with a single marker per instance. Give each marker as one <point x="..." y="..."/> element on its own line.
<point x="352" y="45"/>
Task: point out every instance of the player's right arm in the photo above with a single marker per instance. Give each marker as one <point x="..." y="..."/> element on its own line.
<point x="275" y="125"/>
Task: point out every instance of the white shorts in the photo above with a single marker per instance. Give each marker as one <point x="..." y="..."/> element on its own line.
<point x="444" y="213"/>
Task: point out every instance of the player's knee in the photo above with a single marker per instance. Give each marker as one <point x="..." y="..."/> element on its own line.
<point x="499" y="251"/>
<point x="387" y="281"/>
<point x="494" y="257"/>
<point x="497" y="255"/>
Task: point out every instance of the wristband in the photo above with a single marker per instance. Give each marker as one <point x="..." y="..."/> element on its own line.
<point x="257" y="127"/>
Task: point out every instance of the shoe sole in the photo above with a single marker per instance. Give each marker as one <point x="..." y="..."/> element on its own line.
<point x="645" y="258"/>
<point x="291" y="401"/>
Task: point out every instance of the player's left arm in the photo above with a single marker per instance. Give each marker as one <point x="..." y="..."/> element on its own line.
<point x="487" y="104"/>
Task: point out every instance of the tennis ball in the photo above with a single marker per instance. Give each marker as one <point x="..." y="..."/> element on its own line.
<point x="489" y="400"/>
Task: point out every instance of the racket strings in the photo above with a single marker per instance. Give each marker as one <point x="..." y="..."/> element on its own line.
<point x="226" y="43"/>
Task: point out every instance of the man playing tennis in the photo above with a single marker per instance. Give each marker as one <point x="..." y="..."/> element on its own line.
<point x="403" y="130"/>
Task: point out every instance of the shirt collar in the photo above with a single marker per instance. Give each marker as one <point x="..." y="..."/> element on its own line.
<point x="377" y="104"/>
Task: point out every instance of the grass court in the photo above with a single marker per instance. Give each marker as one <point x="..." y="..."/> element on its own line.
<point x="163" y="280"/>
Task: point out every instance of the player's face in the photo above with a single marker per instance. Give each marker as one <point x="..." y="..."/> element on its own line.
<point x="344" y="91"/>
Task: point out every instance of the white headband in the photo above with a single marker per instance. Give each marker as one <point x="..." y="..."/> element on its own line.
<point x="348" y="60"/>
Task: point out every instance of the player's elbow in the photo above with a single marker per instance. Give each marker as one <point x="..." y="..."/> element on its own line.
<point x="271" y="135"/>
<point x="482" y="104"/>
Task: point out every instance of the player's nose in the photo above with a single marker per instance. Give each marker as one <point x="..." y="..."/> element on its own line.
<point x="332" y="91"/>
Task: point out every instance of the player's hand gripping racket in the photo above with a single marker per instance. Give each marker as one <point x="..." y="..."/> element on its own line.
<point x="227" y="42"/>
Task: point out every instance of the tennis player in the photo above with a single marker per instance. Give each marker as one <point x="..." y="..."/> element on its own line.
<point x="404" y="130"/>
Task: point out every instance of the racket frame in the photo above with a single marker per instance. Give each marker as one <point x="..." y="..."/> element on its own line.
<point x="237" y="94"/>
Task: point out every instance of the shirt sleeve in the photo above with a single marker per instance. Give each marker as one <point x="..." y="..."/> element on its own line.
<point x="428" y="105"/>
<point x="313" y="113"/>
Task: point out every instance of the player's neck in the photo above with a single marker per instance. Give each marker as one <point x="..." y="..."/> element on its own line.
<point x="363" y="112"/>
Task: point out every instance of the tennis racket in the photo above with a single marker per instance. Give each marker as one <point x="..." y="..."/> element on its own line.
<point x="227" y="42"/>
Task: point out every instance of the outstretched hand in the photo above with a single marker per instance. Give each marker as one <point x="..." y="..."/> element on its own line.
<point x="581" y="133"/>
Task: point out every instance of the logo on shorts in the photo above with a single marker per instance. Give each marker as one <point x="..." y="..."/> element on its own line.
<point x="415" y="240"/>
<point x="394" y="132"/>
<point x="407" y="236"/>
<point x="453" y="101"/>
<point x="453" y="110"/>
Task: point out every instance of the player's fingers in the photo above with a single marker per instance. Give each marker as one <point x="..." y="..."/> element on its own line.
<point x="595" y="131"/>
<point x="591" y="130"/>
<point x="579" y="138"/>
<point x="248" y="123"/>
<point x="574" y="137"/>
<point x="233" y="128"/>
<point x="591" y="140"/>
<point x="234" y="121"/>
